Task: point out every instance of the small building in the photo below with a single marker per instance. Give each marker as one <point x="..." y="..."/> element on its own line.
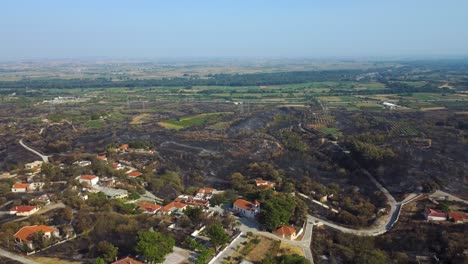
<point x="433" y="215"/>
<point x="23" y="210"/>
<point x="127" y="260"/>
<point x="204" y="193"/>
<point x="192" y="201"/>
<point x="286" y="231"/>
<point x="458" y="218"/>
<point x="173" y="207"/>
<point x="150" y="208"/>
<point x="264" y="184"/>
<point x="246" y="208"/>
<point x="117" y="166"/>
<point x="82" y="163"/>
<point x="24" y="235"/>
<point x="134" y="174"/>
<point x="35" y="186"/>
<point x="123" y="148"/>
<point x="33" y="165"/>
<point x="107" y="182"/>
<point x="20" y="187"/>
<point x="113" y="193"/>
<point x="101" y="158"/>
<point x="90" y="180"/>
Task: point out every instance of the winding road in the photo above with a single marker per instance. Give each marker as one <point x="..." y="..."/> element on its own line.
<point x="43" y="157"/>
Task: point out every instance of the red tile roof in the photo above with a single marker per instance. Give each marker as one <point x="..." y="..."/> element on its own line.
<point x="20" y="185"/>
<point x="205" y="190"/>
<point x="23" y="208"/>
<point x="285" y="230"/>
<point x="25" y="232"/>
<point x="458" y="216"/>
<point x="135" y="174"/>
<point x="123" y="147"/>
<point x="101" y="157"/>
<point x="149" y="207"/>
<point x="246" y="205"/>
<point x="127" y="260"/>
<point x="430" y="212"/>
<point x="173" y="205"/>
<point x="88" y="177"/>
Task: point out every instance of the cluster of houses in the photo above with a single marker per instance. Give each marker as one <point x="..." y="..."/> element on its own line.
<point x="200" y="199"/>
<point x="434" y="215"/>
<point x="94" y="185"/>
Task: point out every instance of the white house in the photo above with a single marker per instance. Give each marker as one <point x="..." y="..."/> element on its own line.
<point x="246" y="208"/>
<point x="34" y="164"/>
<point x="90" y="180"/>
<point x="433" y="215"/>
<point x="24" y="235"/>
<point x="23" y="210"/>
<point x="20" y="187"/>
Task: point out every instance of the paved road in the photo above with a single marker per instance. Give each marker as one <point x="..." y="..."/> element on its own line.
<point x="43" y="157"/>
<point x="16" y="257"/>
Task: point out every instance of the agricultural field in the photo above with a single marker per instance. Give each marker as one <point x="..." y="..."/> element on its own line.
<point x="189" y="121"/>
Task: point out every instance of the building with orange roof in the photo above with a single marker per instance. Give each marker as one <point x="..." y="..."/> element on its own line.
<point x="264" y="184"/>
<point x="173" y="207"/>
<point x="20" y="187"/>
<point x="458" y="217"/>
<point x="204" y="193"/>
<point x="127" y="260"/>
<point x="123" y="147"/>
<point x="286" y="231"/>
<point x="90" y="180"/>
<point x="101" y="157"/>
<point x="134" y="174"/>
<point x="23" y="210"/>
<point x="246" y="208"/>
<point x="24" y="235"/>
<point x="433" y="215"/>
<point x="150" y="208"/>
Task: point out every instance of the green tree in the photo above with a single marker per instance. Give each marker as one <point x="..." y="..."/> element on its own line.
<point x="217" y="235"/>
<point x="107" y="250"/>
<point x="99" y="260"/>
<point x="154" y="246"/>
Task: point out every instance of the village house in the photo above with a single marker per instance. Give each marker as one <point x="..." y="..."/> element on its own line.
<point x="82" y="163"/>
<point x="150" y="208"/>
<point x="127" y="260"/>
<point x="204" y="193"/>
<point x="117" y="166"/>
<point x="246" y="208"/>
<point x="20" y="187"/>
<point x="433" y="215"/>
<point x="101" y="158"/>
<point x="111" y="193"/>
<point x="458" y="218"/>
<point x="23" y="210"/>
<point x="264" y="184"/>
<point x="90" y="180"/>
<point x="24" y="235"/>
<point x="35" y="186"/>
<point x="123" y="148"/>
<point x="173" y="207"/>
<point x="33" y="165"/>
<point x="134" y="174"/>
<point x="107" y="182"/>
<point x="286" y="231"/>
<point x="192" y="201"/>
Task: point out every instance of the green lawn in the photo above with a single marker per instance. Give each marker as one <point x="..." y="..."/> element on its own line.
<point x="190" y="121"/>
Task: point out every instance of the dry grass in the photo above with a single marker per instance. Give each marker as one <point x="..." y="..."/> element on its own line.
<point x="46" y="260"/>
<point x="264" y="247"/>
<point x="287" y="249"/>
<point x="137" y="119"/>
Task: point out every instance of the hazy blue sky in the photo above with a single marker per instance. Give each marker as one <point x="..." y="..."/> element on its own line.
<point x="195" y="28"/>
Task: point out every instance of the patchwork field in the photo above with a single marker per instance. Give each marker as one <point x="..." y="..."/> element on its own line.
<point x="190" y="121"/>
